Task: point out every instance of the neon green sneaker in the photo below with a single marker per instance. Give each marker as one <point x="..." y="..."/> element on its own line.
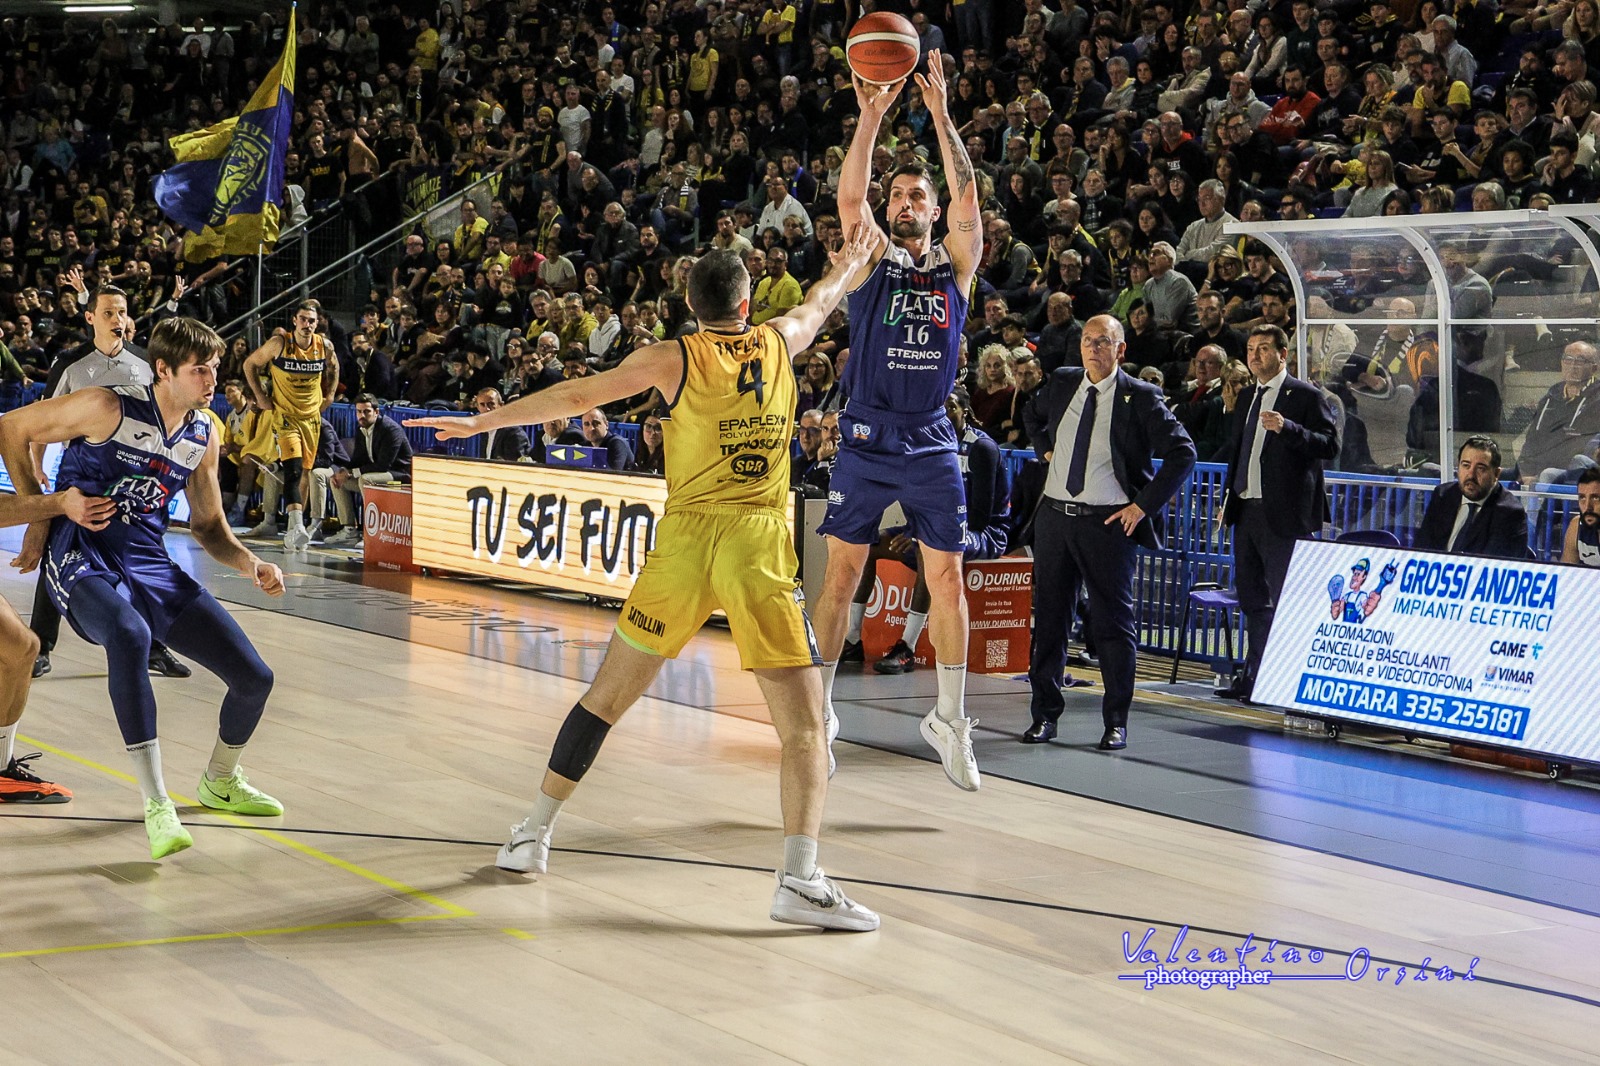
<point x="234" y="793"/>
<point x="167" y="834"/>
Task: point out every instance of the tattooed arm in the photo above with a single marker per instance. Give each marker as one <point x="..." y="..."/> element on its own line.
<point x="965" y="240"/>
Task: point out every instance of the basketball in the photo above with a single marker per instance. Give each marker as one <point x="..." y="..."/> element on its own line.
<point x="883" y="47"/>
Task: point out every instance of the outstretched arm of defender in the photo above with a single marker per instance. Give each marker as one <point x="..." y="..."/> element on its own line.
<point x="965" y="241"/>
<point x="800" y="324"/>
<point x="659" y="366"/>
<point x="92" y="413"/>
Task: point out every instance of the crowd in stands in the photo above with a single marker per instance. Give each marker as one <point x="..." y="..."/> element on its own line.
<point x="1113" y="145"/>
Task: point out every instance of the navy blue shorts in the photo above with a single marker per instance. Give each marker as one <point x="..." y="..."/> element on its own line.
<point x="979" y="545"/>
<point x="916" y="467"/>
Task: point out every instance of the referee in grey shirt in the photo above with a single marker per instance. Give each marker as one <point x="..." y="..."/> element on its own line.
<point x="107" y="361"/>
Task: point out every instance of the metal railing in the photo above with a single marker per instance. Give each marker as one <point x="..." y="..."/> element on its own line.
<point x="344" y="284"/>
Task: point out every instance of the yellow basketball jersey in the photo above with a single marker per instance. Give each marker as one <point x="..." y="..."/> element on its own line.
<point x="727" y="442"/>
<point x="296" y="375"/>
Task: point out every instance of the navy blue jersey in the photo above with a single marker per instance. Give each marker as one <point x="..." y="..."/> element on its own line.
<point x="905" y="333"/>
<point x="140" y="467"/>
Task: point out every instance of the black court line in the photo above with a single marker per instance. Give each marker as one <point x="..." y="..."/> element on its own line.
<point x="1058" y="908"/>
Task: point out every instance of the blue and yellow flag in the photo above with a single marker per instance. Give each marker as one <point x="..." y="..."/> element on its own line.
<point x="227" y="186"/>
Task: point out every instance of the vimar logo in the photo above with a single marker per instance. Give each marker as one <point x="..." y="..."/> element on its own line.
<point x="1357" y="603"/>
<point x="1494" y="674"/>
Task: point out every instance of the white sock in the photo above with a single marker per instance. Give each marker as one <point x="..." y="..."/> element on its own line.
<point x="916" y="622"/>
<point x="952" y="691"/>
<point x="8" y="735"/>
<point x="224" y="760"/>
<point x="297" y="518"/>
<point x="544" y="812"/>
<point x="147" y="768"/>
<point x="800" y="857"/>
<point x="828" y="670"/>
<point x="852" y="635"/>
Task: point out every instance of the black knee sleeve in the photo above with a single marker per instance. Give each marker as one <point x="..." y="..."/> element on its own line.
<point x="291" y="470"/>
<point x="578" y="743"/>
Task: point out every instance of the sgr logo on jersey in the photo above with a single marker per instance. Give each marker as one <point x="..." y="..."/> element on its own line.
<point x="1452" y="652"/>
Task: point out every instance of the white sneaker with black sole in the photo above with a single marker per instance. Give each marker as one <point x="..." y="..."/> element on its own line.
<point x="953" y="742"/>
<point x="819" y="902"/>
<point x="527" y="852"/>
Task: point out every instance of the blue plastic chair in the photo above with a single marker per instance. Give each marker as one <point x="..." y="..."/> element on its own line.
<point x="1208" y="596"/>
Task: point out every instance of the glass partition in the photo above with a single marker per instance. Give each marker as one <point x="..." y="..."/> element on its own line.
<point x="1499" y="298"/>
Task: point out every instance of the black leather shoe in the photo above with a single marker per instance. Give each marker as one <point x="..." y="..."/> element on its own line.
<point x="163" y="664"/>
<point x="1115" y="739"/>
<point x="852" y="652"/>
<point x="1238" y="689"/>
<point x="1039" y="733"/>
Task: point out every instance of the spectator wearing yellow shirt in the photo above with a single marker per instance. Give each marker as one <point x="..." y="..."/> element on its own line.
<point x="777" y="28"/>
<point x="703" y="64"/>
<point x="777" y="292"/>
<point x="468" y="241"/>
<point x="577" y="324"/>
<point x="425" y="49"/>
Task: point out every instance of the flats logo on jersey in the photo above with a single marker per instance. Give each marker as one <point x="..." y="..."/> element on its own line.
<point x="919" y="307"/>
<point x="137" y="494"/>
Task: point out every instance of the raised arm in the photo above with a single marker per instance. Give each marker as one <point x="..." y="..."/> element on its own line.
<point x="855" y="174"/>
<point x="800" y="324"/>
<point x="657" y="366"/>
<point x="965" y="241"/>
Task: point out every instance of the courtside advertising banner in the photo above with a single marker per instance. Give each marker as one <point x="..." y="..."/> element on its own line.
<point x="1472" y="649"/>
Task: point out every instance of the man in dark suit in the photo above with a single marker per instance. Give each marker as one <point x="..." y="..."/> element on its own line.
<point x="597" y="434"/>
<point x="381" y="455"/>
<point x="367" y="370"/>
<point x="1476" y="515"/>
<point x="1100" y="430"/>
<point x="1275" y="493"/>
<point x="509" y="445"/>
<point x="552" y="434"/>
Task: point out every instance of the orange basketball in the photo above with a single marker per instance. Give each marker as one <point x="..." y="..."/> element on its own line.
<point x="883" y="47"/>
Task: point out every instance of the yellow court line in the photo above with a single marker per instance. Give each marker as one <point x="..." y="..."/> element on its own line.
<point x="518" y="934"/>
<point x="452" y="910"/>
<point x="193" y="938"/>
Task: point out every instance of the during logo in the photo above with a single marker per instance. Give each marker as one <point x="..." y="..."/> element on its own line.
<point x="975" y="580"/>
<point x="369" y="519"/>
<point x="875" y="603"/>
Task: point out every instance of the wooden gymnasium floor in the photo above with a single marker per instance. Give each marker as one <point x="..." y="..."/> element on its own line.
<point x="368" y="925"/>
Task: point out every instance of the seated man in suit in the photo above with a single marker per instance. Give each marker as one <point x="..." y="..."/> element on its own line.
<point x="331" y="456"/>
<point x="381" y="456"/>
<point x="552" y="434"/>
<point x="1476" y="515"/>
<point x="597" y="434"/>
<point x="509" y="445"/>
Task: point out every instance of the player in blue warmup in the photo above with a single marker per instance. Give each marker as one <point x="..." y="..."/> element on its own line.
<point x="907" y="309"/>
<point x="139" y="445"/>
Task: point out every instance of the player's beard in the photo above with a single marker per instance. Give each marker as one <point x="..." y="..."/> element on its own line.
<point x="1591" y="519"/>
<point x="910" y="231"/>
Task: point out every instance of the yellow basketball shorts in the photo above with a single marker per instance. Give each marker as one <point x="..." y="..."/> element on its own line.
<point x="297" y="436"/>
<point x="740" y="561"/>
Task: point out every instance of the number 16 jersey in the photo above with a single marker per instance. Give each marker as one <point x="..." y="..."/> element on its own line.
<point x="727" y="442"/>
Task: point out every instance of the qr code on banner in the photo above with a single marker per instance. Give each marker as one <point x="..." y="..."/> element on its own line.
<point x="996" y="653"/>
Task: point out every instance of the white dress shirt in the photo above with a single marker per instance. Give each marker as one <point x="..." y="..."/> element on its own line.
<point x="1266" y="400"/>
<point x="1100" y="485"/>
